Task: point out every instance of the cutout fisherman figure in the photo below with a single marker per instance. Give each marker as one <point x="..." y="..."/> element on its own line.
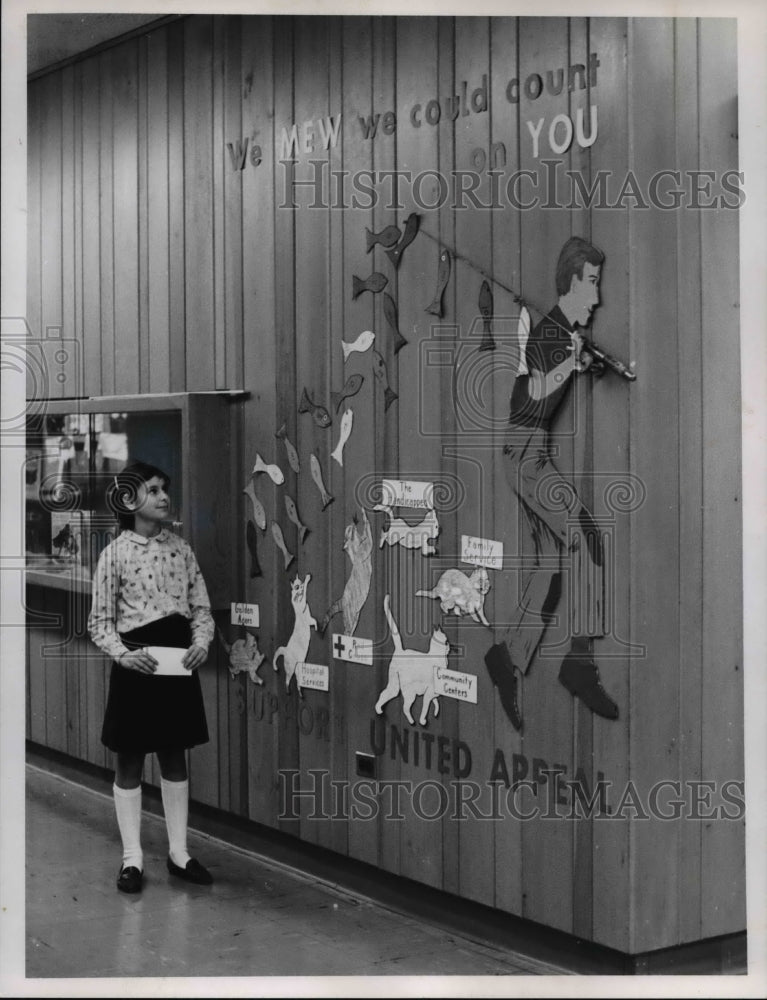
<point x="554" y="353"/>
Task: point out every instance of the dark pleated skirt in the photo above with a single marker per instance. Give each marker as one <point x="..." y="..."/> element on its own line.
<point x="146" y="713"/>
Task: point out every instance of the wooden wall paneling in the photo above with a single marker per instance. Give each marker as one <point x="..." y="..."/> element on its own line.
<point x="473" y="237"/>
<point x="124" y="69"/>
<point x="723" y="846"/>
<point x="286" y="291"/>
<point x="261" y="348"/>
<point x="199" y="283"/>
<point x="364" y="458"/>
<point x="507" y="265"/>
<point x="406" y="64"/>
<point x="90" y="222"/>
<point x="142" y="220"/>
<point x="579" y="159"/>
<point x="398" y="565"/>
<point x="55" y="669"/>
<point x="547" y="708"/>
<point x="314" y="339"/>
<point x="68" y="250"/>
<point x="438" y="380"/>
<point x="611" y="418"/>
<point x="51" y="214"/>
<point x="234" y="131"/>
<point x="71" y="675"/>
<point x="34" y="224"/>
<point x="105" y="140"/>
<point x="158" y="247"/>
<point x="690" y="474"/>
<point x="344" y="506"/>
<point x="78" y="279"/>
<point x="654" y="445"/>
<point x="218" y="235"/>
<point x="36" y="679"/>
<point x="177" y="195"/>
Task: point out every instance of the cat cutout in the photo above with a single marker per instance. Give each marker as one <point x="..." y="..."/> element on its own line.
<point x="244" y="656"/>
<point x="298" y="645"/>
<point x="411" y="536"/>
<point x="461" y="594"/>
<point x="358" y="545"/>
<point x="412" y="672"/>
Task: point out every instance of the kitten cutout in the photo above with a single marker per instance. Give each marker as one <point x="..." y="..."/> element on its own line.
<point x="298" y="645"/>
<point x="460" y="594"/>
<point x="421" y="536"/>
<point x="412" y="672"/>
<point x="358" y="545"/>
<point x="244" y="656"/>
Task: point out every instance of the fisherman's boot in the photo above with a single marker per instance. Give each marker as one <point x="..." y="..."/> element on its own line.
<point x="580" y="676"/>
<point x="504" y="677"/>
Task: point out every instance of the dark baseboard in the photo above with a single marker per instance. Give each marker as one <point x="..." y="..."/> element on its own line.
<point x="724" y="955"/>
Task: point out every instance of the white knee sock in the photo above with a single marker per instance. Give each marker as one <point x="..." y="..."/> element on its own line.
<point x="128" y="809"/>
<point x="175" y="802"/>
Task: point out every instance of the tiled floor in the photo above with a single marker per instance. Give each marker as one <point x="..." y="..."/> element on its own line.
<point x="259" y="918"/>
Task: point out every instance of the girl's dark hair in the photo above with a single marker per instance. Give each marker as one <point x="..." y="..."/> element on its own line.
<point x="124" y="490"/>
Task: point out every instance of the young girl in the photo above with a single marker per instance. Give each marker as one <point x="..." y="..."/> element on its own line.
<point x="148" y="591"/>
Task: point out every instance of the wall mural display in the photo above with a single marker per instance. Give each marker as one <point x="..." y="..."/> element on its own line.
<point x="280" y="543"/>
<point x="387" y="238"/>
<point x="293" y="461"/>
<point x="460" y="594"/>
<point x="292" y="512"/>
<point x="259" y="514"/>
<point x="390" y="312"/>
<point x="358" y="545"/>
<point x="375" y="283"/>
<point x="421" y="536"/>
<point x="411" y="231"/>
<point x="351" y="387"/>
<point x="320" y="415"/>
<point x="244" y="656"/>
<point x="347" y="421"/>
<point x="443" y="276"/>
<point x="273" y="471"/>
<point x="360" y="345"/>
<point x="316" y="471"/>
<point x="297" y="646"/>
<point x="251" y="540"/>
<point x="381" y="373"/>
<point x="412" y="671"/>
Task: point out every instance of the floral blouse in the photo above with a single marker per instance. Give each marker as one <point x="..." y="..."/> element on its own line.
<point x="139" y="580"/>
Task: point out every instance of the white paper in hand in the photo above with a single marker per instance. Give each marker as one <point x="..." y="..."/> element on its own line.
<point x="169" y="661"/>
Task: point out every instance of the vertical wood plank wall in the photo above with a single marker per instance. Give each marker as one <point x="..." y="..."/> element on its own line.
<point x="177" y="267"/>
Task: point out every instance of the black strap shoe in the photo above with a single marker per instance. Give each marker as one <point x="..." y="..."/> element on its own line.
<point x="194" y="872"/>
<point x="581" y="678"/>
<point x="504" y="677"/>
<point x="130" y="879"/>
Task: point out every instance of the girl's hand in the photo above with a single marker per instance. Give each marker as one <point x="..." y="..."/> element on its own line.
<point x="194" y="657"/>
<point x="138" y="659"/>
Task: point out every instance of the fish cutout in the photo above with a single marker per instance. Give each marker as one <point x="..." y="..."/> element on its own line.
<point x="351" y="387"/>
<point x="273" y="471"/>
<point x="380" y="372"/>
<point x="361" y="344"/>
<point x="386" y="238"/>
<point x="346" y="428"/>
<point x="251" y="537"/>
<point x="280" y="543"/>
<point x="259" y="514"/>
<point x="486" y="308"/>
<point x="321" y="416"/>
<point x="411" y="231"/>
<point x="375" y="283"/>
<point x="390" y="312"/>
<point x="293" y="462"/>
<point x="316" y="471"/>
<point x="292" y="510"/>
<point x="443" y="276"/>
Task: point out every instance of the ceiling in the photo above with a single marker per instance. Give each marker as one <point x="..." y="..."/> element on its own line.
<point x="52" y="38"/>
